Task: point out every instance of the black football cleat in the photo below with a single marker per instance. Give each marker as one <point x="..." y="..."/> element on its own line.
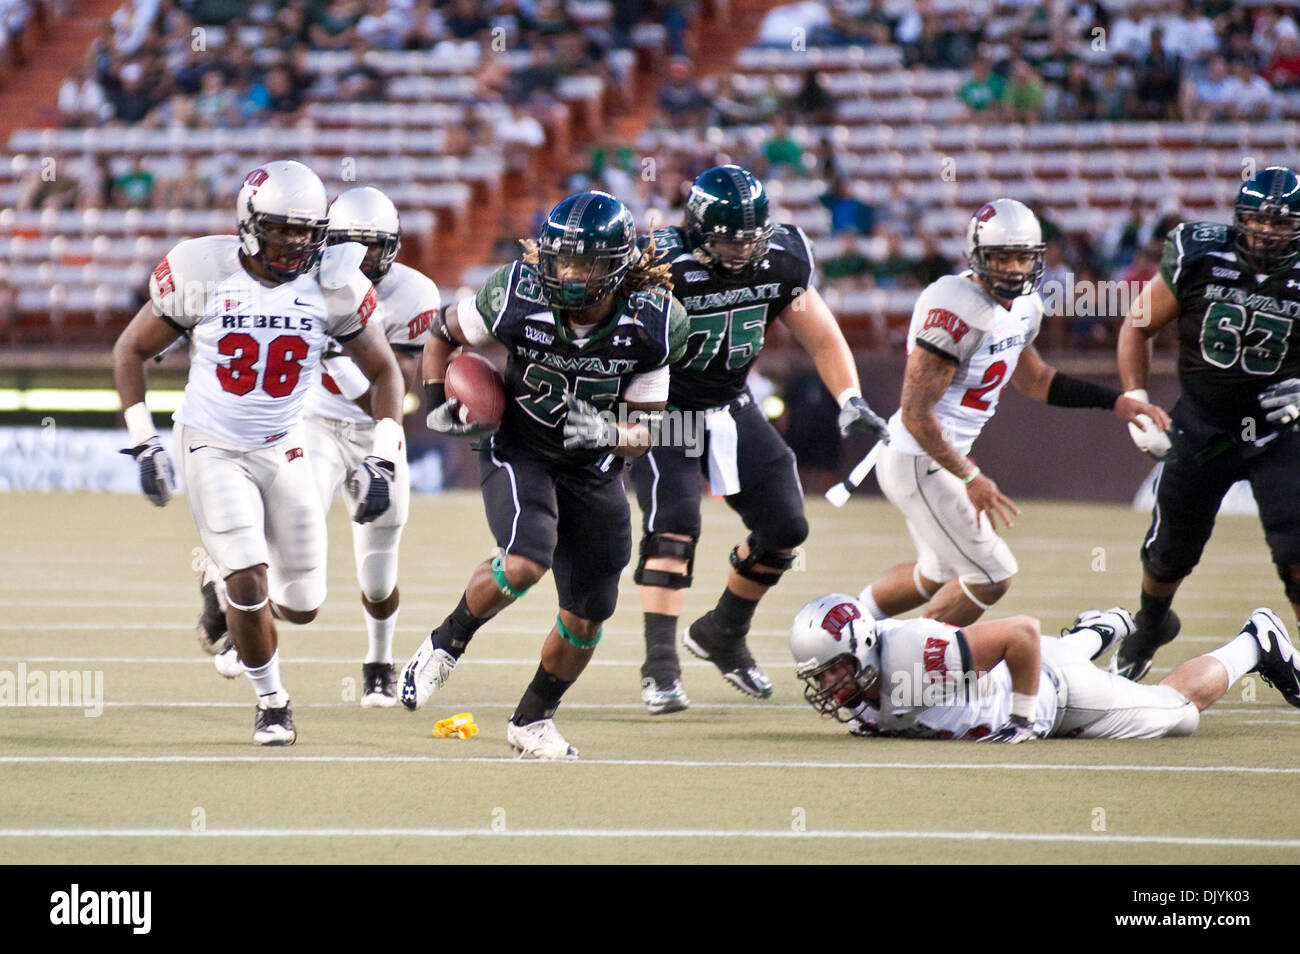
<point x="730" y="655"/>
<point x="1132" y="660"/>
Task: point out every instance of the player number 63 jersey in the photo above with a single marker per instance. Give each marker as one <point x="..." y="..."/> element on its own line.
<point x="954" y="317"/>
<point x="254" y="348"/>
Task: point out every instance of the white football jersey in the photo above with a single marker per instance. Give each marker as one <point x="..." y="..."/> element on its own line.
<point x="926" y="690"/>
<point x="957" y="318"/>
<point x="254" y="350"/>
<point x="408" y="301"/>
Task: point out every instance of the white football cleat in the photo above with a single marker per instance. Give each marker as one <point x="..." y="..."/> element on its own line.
<point x="228" y="663"/>
<point x="273" y="725"/>
<point x="426" y="672"/>
<point x="539" y="740"/>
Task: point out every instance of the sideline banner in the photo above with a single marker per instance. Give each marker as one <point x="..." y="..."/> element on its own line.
<point x="53" y="458"/>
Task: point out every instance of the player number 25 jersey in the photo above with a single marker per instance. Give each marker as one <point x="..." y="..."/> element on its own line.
<point x="954" y="317"/>
<point x="255" y="349"/>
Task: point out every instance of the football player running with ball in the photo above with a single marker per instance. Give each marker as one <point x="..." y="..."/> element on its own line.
<point x="736" y="273"/>
<point x="591" y="328"/>
<point x="1002" y="680"/>
<point x="971" y="335"/>
<point x="260" y="309"/>
<point x="1235" y="293"/>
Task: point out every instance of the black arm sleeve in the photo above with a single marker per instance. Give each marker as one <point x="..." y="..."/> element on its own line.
<point x="1065" y="391"/>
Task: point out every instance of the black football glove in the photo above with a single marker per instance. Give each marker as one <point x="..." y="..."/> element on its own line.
<point x="157" y="475"/>
<point x="856" y="417"/>
<point x="371" y="484"/>
<point x="1282" y="401"/>
<point x="1017" y="729"/>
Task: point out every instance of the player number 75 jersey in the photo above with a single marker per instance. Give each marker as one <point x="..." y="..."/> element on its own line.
<point x="254" y="348"/>
<point x="954" y="317"/>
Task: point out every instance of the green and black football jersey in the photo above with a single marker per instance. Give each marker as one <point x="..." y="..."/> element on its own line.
<point x="647" y="330"/>
<point x="729" y="314"/>
<point x="1238" y="332"/>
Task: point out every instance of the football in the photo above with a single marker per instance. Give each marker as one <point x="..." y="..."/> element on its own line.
<point x="476" y="384"/>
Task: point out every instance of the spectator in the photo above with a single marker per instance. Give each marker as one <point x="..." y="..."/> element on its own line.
<point x="330" y="24"/>
<point x="849" y="214"/>
<point x="1054" y="67"/>
<point x="1191" y="34"/>
<point x="189" y="190"/>
<point x="781" y="149"/>
<point x="216" y="104"/>
<point x="82" y="100"/>
<point x="983" y="92"/>
<point x="1122" y="242"/>
<point x="1207" y="98"/>
<point x="960" y="40"/>
<point x="467" y="21"/>
<point x="1074" y="100"/>
<point x="681" y="102"/>
<point x="1112" y="97"/>
<point x="384" y="26"/>
<point x="1156" y="90"/>
<point x="1023" y="96"/>
<point x="812" y="104"/>
<point x="848" y="264"/>
<point x="728" y="108"/>
<point x="134" y="189"/>
<point x="1249" y="96"/>
<point x="1283" y="68"/>
<point x="1130" y="36"/>
<point x="133" y="99"/>
<point x="933" y="264"/>
<point x="49" y="186"/>
<point x="541" y="74"/>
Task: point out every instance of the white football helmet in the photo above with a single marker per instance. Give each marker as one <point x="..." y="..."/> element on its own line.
<point x="836" y="652"/>
<point x="1005" y="225"/>
<point x="283" y="215"/>
<point x="366" y="215"/>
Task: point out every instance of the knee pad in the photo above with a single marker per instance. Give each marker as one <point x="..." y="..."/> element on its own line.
<point x="499" y="577"/>
<point x="655" y="545"/>
<point x="1290" y="586"/>
<point x="1161" y="570"/>
<point x="760" y="554"/>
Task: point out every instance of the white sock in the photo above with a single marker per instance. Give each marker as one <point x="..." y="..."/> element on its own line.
<point x="1088" y="640"/>
<point x="380" y="632"/>
<point x="1238" y="657"/>
<point x="266" y="679"/>
<point x="869" y="601"/>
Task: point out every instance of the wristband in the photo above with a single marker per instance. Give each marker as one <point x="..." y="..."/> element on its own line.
<point x="971" y="476"/>
<point x="846" y="395"/>
<point x="1024" y="704"/>
<point x="435" y="394"/>
<point x="139" y="423"/>
<point x="390" y="441"/>
<point x="1138" y="394"/>
<point x="350" y="380"/>
<point x="1065" y="391"/>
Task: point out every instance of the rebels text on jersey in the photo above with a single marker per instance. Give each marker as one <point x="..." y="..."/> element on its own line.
<point x="957" y="319"/>
<point x="1238" y="332"/>
<point x="645" y="333"/>
<point x="729" y="315"/>
<point x="408" y="302"/>
<point x="254" y="348"/>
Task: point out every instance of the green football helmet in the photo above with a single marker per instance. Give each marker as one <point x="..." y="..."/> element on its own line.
<point x="1267" y="219"/>
<point x="728" y="225"/>
<point x="585" y="250"/>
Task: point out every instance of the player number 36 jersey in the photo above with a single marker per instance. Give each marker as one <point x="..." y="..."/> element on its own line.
<point x="255" y="348"/>
<point x="954" y="317"/>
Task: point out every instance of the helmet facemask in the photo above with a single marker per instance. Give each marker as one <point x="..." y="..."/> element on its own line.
<point x="733" y="253"/>
<point x="285" y="245"/>
<point x="1267" y="238"/>
<point x="1009" y="284"/>
<point x="837" y="689"/>
<point x="381" y="250"/>
<point x="573" y="281"/>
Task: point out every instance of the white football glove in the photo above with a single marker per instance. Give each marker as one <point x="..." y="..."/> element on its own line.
<point x="585" y="429"/>
<point x="157" y="475"/>
<point x="1282" y="401"/>
<point x="372" y="486"/>
<point x="1018" y="729"/>
<point x="1148" y="438"/>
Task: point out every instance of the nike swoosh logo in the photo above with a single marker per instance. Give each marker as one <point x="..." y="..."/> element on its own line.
<point x="301" y="304"/>
<point x="194" y="447"/>
<point x="932" y="470"/>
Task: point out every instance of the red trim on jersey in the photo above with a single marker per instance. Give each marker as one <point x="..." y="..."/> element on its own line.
<point x="162" y="275"/>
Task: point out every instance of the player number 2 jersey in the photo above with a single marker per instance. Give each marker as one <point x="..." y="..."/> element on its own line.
<point x="954" y="317"/>
<point x="408" y="301"/>
<point x="254" y="349"/>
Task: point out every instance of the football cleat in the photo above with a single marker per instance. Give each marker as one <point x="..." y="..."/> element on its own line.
<point x="1279" y="663"/>
<point x="426" y="672"/>
<point x="733" y="661"/>
<point x="663" y="697"/>
<point x="211" y="627"/>
<point x="1132" y="660"/>
<point x="379" y="683"/>
<point x="274" y="726"/>
<point x="228" y="663"/>
<point x="539" y="740"/>
<point x="1112" y="624"/>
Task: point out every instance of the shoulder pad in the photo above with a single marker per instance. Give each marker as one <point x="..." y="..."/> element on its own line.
<point x="338" y="262"/>
<point x="960" y="295"/>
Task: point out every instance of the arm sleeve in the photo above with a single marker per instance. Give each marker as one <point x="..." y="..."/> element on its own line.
<point x="1174" y="258"/>
<point x="492" y="298"/>
<point x="648" y="388"/>
<point x="473" y="328"/>
<point x="679" y="329"/>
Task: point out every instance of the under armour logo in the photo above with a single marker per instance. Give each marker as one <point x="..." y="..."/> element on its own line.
<point x="622" y="341"/>
<point x="1292" y="283"/>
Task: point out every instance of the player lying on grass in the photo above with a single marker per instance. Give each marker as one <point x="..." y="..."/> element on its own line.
<point x="1003" y="681"/>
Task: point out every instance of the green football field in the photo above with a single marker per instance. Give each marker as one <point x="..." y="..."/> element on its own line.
<point x="168" y="772"/>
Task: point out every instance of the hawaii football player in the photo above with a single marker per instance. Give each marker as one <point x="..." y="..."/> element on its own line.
<point x="590" y="326"/>
<point x="736" y="273"/>
<point x="1235" y="293"/>
<point x="1002" y="680"/>
<point x="260" y="308"/>
<point x="971" y="335"/>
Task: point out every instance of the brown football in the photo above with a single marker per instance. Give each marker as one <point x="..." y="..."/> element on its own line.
<point x="477" y="385"/>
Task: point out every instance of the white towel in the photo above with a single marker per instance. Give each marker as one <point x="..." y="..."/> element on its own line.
<point x="724" y="477"/>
